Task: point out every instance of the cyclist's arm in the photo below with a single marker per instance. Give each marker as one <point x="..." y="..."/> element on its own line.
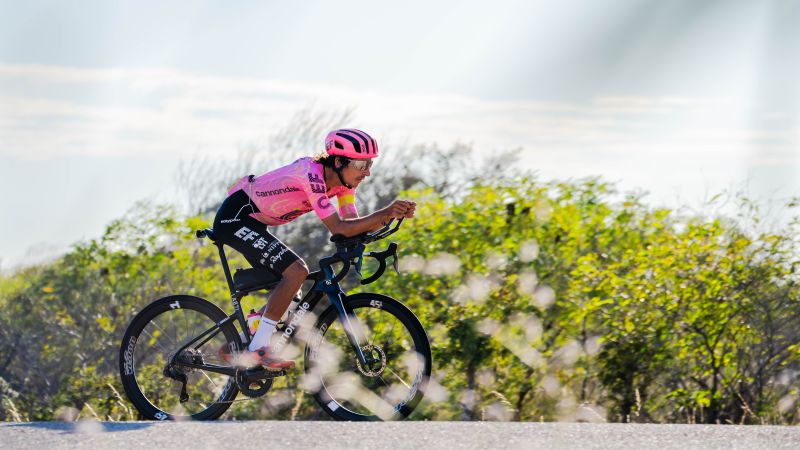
<point x="351" y="227"/>
<point x="350" y="216"/>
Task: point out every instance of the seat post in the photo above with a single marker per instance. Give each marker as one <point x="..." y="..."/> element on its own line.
<point x="225" y="267"/>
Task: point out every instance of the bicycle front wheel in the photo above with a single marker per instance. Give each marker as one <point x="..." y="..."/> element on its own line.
<point x="151" y="370"/>
<point x="391" y="386"/>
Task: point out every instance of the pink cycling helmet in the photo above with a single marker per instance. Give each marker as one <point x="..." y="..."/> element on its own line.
<point x="351" y="143"/>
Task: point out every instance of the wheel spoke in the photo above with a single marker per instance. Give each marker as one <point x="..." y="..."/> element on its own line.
<point x="383" y="381"/>
<point x="391" y="329"/>
<point x="163" y="332"/>
<point x="371" y="331"/>
<point x="398" y="377"/>
<point x="194" y="330"/>
<point x="210" y="380"/>
<point x="155" y="339"/>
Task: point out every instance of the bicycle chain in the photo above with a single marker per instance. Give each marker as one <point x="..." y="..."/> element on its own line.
<point x="247" y="399"/>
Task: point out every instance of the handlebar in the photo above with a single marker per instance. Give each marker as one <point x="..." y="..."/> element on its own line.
<point x="349" y="249"/>
<point x="381" y="257"/>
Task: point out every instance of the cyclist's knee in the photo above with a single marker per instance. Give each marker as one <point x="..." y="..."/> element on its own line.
<point x="297" y="271"/>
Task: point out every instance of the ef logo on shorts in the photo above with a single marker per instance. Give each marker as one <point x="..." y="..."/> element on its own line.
<point x="246" y="234"/>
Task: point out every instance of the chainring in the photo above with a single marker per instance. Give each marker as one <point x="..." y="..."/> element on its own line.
<point x="252" y="388"/>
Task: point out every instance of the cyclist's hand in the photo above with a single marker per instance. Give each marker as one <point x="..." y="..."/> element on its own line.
<point x="412" y="207"/>
<point x="399" y="209"/>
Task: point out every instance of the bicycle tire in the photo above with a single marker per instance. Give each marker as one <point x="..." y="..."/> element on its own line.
<point x="340" y="410"/>
<point x="128" y="362"/>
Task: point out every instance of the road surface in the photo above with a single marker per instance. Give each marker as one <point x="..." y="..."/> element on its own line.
<point x="254" y="435"/>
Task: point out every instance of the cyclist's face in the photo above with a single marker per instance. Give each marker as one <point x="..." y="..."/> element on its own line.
<point x="353" y="172"/>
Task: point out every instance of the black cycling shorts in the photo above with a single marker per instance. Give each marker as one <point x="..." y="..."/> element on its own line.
<point x="234" y="227"/>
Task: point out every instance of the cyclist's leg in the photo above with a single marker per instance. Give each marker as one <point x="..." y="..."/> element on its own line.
<point x="292" y="279"/>
<point x="235" y="228"/>
<point x="293" y="273"/>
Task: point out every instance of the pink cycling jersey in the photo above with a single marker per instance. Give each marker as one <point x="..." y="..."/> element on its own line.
<point x="291" y="191"/>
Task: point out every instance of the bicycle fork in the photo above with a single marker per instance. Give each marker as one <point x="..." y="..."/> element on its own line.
<point x="352" y="327"/>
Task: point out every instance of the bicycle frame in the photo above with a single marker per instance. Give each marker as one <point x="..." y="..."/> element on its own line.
<point x="325" y="283"/>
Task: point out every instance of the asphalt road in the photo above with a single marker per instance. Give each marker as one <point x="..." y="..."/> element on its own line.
<point x="390" y="436"/>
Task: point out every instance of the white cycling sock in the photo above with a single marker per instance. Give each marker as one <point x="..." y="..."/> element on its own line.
<point x="263" y="334"/>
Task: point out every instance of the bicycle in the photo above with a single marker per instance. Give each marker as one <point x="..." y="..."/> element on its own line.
<point x="358" y="364"/>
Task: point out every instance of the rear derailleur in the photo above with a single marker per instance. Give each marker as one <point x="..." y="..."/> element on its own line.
<point x="175" y="370"/>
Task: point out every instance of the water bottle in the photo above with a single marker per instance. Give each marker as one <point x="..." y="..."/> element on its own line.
<point x="253" y="319"/>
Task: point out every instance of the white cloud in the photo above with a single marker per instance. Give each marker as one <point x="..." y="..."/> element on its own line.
<point x="670" y="146"/>
<point x="53" y="110"/>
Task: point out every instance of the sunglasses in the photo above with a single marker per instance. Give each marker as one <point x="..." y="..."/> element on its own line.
<point x="361" y="164"/>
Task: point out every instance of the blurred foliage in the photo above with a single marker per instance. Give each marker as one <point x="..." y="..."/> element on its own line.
<point x="543" y="301"/>
<point x="655" y="317"/>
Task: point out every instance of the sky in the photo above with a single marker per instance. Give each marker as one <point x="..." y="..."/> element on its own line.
<point x="100" y="101"/>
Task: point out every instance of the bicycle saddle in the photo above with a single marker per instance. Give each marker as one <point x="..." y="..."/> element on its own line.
<point x="208" y="232"/>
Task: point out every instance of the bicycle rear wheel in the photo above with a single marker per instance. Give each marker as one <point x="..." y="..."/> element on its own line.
<point x="150" y="342"/>
<point x="388" y="389"/>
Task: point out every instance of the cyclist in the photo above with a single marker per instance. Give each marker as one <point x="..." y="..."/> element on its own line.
<point x="280" y="196"/>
